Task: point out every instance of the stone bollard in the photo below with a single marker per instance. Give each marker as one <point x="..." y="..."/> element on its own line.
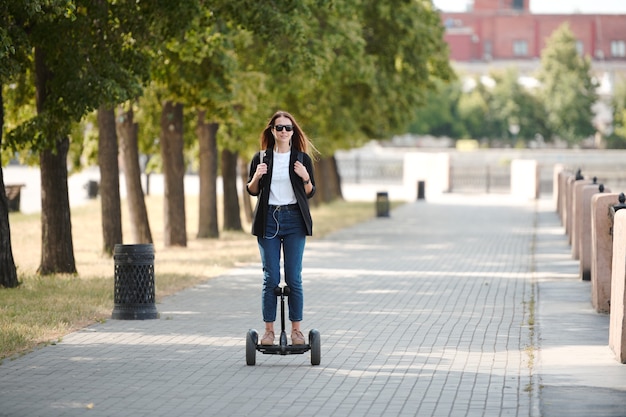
<point x="568" y="202"/>
<point x="563" y="176"/>
<point x="557" y="172"/>
<point x="567" y="208"/>
<point x="584" y="240"/>
<point x="617" y="325"/>
<point x="601" y="250"/>
<point x="577" y="215"/>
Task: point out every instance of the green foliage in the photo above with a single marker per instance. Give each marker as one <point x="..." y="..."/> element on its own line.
<point x="376" y="61"/>
<point x="474" y="111"/>
<point x="439" y="116"/>
<point x="513" y="104"/>
<point x="561" y="107"/>
<point x="194" y="69"/>
<point x="617" y="139"/>
<point x="92" y="53"/>
<point x="405" y="39"/>
<point x="147" y="114"/>
<point x="349" y="71"/>
<point x="19" y="107"/>
<point x="281" y="26"/>
<point x="332" y="101"/>
<point x="568" y="90"/>
<point x="83" y="150"/>
<point x="485" y="112"/>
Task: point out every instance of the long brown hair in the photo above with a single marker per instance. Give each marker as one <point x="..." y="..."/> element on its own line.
<point x="299" y="140"/>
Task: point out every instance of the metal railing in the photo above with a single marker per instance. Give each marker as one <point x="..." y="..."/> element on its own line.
<point x="469" y="178"/>
<point x="480" y="179"/>
<point x="360" y="170"/>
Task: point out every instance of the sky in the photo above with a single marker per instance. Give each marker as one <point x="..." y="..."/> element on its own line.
<point x="549" y="6"/>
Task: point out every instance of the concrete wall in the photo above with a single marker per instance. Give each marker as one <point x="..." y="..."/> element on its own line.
<point x="525" y="178"/>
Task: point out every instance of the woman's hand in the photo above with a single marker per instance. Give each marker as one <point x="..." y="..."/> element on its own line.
<point x="301" y="171"/>
<point x="261" y="170"/>
<point x="253" y="185"/>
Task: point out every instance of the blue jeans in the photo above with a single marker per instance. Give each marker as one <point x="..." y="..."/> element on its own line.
<point x="286" y="229"/>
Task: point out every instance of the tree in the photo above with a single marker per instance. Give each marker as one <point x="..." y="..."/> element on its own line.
<point x="13" y="63"/>
<point x="207" y="171"/>
<point x="438" y="116"/>
<point x="87" y="53"/>
<point x="514" y="104"/>
<point x="175" y="233"/>
<point x="376" y="62"/>
<point x="473" y="110"/>
<point x="617" y="139"/>
<point x="45" y="132"/>
<point x="8" y="272"/>
<point x="232" y="211"/>
<point x="109" y="180"/>
<point x="568" y="90"/>
<point x="150" y="34"/>
<point x="127" y="131"/>
<point x="406" y="41"/>
<point x="194" y="71"/>
<point x="209" y="71"/>
<point x="352" y="72"/>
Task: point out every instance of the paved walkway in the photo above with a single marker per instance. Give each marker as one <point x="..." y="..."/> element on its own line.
<point x="425" y="313"/>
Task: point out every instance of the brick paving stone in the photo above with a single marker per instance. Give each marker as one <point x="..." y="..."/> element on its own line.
<point x="424" y="313"/>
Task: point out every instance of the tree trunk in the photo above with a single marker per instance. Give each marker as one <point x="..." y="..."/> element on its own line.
<point x="8" y="272"/>
<point x="336" y="178"/>
<point x="175" y="233"/>
<point x="327" y="182"/>
<point x="232" y="212"/>
<point x="57" y="249"/>
<point x="321" y="181"/>
<point x="207" y="137"/>
<point x="244" y="166"/>
<point x="127" y="131"/>
<point x="109" y="180"/>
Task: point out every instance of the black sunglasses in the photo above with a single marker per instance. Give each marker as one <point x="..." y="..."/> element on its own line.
<point x="279" y="128"/>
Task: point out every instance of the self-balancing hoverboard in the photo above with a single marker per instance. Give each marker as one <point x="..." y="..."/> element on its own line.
<point x="252" y="338"/>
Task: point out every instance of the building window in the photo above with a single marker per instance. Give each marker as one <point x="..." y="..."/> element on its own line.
<point x="618" y="49"/>
<point x="520" y="48"/>
<point x="580" y="48"/>
<point x="518" y="4"/>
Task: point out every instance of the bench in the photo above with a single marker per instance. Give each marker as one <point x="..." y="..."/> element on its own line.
<point x="13" y="192"/>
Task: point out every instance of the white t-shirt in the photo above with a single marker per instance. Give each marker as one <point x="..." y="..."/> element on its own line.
<point x="281" y="191"/>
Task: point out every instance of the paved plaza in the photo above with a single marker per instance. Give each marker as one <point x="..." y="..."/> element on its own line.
<point x="459" y="306"/>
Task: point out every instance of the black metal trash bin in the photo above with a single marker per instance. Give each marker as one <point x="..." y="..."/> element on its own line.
<point x="134" y="282"/>
<point x="92" y="189"/>
<point x="13" y="193"/>
<point x="13" y="200"/>
<point x="382" y="204"/>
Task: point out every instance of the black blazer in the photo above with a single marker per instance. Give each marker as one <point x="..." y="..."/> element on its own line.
<point x="262" y="204"/>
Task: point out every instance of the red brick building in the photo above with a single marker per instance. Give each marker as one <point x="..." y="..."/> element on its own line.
<point x="499" y="31"/>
